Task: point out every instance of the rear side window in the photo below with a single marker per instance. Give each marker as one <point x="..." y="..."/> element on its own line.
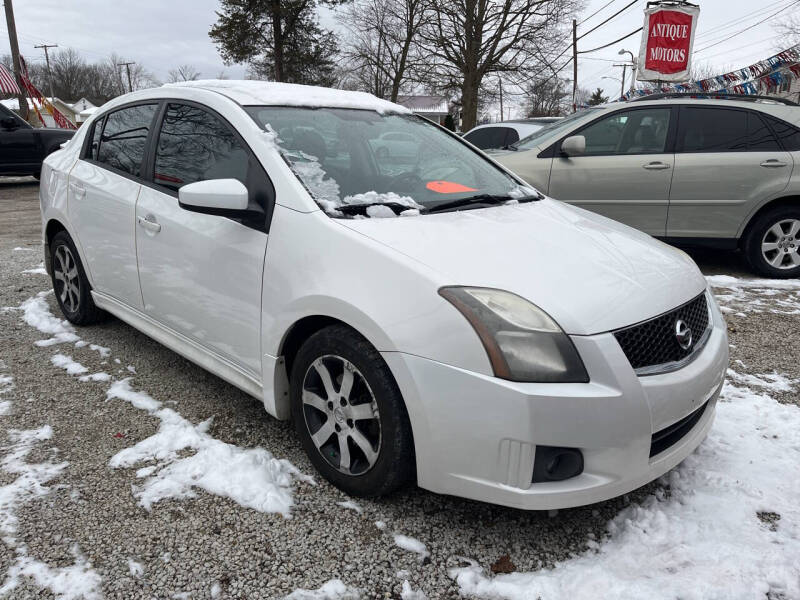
<point x="759" y="137"/>
<point x="124" y="138"/>
<point x="488" y="137"/>
<point x="789" y="136"/>
<point x="195" y="145"/>
<point x="712" y="130"/>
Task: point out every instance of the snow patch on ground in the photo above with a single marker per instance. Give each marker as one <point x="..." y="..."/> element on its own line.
<point x="740" y="296"/>
<point x="334" y="589"/>
<point x="136" y="569"/>
<point x="75" y="581"/>
<point x="21" y="249"/>
<point x="101" y="376"/>
<point x="350" y="505"/>
<point x="70" y="366"/>
<point x="408" y="593"/>
<point x="728" y="528"/>
<point x="252" y="477"/>
<point x="6" y="386"/>
<point x="40" y="270"/>
<point x="36" y="313"/>
<point x="411" y="544"/>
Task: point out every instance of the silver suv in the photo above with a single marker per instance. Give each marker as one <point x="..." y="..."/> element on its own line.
<point x="714" y="172"/>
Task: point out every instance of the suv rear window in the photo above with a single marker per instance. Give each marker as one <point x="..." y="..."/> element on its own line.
<point x="789" y="136"/>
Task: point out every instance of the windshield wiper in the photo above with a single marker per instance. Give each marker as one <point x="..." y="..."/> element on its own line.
<point x="361" y="209"/>
<point x="478" y="199"/>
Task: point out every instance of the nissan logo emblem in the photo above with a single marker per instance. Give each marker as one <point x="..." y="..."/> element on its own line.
<point x="683" y="334"/>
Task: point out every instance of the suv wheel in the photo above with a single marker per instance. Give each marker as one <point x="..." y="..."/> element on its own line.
<point x="71" y="287"/>
<point x="349" y="414"/>
<point x="773" y="243"/>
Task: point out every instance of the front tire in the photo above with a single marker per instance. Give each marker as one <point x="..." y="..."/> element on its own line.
<point x="70" y="284"/>
<point x="350" y="415"/>
<point x="772" y="245"/>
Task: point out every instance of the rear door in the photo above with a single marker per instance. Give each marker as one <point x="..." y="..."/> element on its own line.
<point x="626" y="170"/>
<point x="103" y="188"/>
<point x="201" y="274"/>
<point x="727" y="162"/>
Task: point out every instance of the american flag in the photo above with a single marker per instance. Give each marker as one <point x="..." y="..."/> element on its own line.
<point x="7" y="83"/>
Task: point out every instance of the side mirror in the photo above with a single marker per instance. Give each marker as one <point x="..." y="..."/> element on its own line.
<point x="574" y="145"/>
<point x="9" y="123"/>
<point x="214" y="196"/>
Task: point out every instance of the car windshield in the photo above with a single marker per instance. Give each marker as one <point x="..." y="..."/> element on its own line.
<point x="396" y="163"/>
<point x="554" y="128"/>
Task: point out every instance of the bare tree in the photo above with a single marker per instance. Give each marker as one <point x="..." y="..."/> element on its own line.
<point x="383" y="44"/>
<point x="183" y="73"/>
<point x="789" y="28"/>
<point x="465" y="40"/>
<point x="547" y="97"/>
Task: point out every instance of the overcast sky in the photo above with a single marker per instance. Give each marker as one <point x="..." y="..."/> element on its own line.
<point x="161" y="35"/>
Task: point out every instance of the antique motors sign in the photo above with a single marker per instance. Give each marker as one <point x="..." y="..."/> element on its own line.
<point x="667" y="39"/>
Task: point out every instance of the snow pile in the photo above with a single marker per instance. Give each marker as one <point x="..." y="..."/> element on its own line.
<point x="334" y="589"/>
<point x="412" y="545"/>
<point x="728" y="528"/>
<point x="251" y="477"/>
<point x="71" y="582"/>
<point x="268" y="93"/>
<point x="36" y="313"/>
<point x="373" y="197"/>
<point x="323" y="189"/>
<point x="70" y="366"/>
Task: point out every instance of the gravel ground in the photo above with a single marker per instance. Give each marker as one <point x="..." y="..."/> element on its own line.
<point x="210" y="546"/>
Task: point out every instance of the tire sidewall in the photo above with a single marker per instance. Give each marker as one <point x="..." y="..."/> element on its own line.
<point x="395" y="464"/>
<point x="85" y="303"/>
<point x="755" y="237"/>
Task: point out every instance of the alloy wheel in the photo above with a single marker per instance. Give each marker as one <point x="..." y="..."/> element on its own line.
<point x="341" y="415"/>
<point x="67" y="280"/>
<point x="781" y="243"/>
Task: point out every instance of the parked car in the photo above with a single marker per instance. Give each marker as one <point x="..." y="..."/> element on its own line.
<point x="712" y="172"/>
<point x="482" y="340"/>
<point x="493" y="136"/>
<point x="22" y="147"/>
<point x="395" y="144"/>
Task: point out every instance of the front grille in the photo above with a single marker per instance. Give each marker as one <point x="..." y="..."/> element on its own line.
<point x="654" y="343"/>
<point x="669" y="436"/>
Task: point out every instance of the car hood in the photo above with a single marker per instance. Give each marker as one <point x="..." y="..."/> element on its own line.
<point x="591" y="274"/>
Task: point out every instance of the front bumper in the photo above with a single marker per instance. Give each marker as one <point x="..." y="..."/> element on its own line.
<point x="475" y="435"/>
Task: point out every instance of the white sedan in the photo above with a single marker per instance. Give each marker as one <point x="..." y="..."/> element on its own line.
<point x="444" y="325"/>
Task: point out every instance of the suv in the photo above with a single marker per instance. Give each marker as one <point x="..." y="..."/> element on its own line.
<point x="22" y="147"/>
<point x="712" y="172"/>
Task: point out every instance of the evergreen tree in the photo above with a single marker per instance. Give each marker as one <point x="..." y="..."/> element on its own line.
<point x="280" y="40"/>
<point x="597" y="98"/>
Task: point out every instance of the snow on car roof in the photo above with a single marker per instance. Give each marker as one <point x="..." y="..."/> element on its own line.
<point x="269" y="93"/>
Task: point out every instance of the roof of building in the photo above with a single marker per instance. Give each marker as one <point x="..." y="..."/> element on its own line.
<point x="425" y="104"/>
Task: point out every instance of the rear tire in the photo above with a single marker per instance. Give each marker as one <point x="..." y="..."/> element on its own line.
<point x="72" y="289"/>
<point x="350" y="415"/>
<point x="772" y="244"/>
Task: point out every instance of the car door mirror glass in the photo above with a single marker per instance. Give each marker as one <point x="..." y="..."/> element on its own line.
<point x="575" y="145"/>
<point x="216" y="194"/>
<point x="9" y="123"/>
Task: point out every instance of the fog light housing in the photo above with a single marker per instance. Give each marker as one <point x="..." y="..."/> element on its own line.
<point x="552" y="463"/>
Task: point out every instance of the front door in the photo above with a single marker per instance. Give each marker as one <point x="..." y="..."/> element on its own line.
<point x="103" y="189"/>
<point x="727" y="162"/>
<point x="625" y="172"/>
<point x="19" y="146"/>
<point x="201" y="274"/>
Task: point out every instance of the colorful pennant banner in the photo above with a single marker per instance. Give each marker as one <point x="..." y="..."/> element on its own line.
<point x="761" y="77"/>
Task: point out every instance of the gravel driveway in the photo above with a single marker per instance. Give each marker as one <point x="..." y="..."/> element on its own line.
<point x="74" y="523"/>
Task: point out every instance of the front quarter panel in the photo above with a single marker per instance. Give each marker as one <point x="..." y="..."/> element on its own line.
<point x="527" y="164"/>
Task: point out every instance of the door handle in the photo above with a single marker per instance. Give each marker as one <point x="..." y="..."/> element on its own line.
<point x="656" y="166"/>
<point x="773" y="163"/>
<point x="78" y="191"/>
<point x="149" y="223"/>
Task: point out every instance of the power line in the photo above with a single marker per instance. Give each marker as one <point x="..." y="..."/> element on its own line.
<point x="748" y="28"/>
<point x="733" y="22"/>
<point x="597" y="11"/>
<point x="626" y="7"/>
<point x="624" y="37"/>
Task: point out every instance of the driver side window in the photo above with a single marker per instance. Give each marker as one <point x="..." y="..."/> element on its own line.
<point x="628" y="132"/>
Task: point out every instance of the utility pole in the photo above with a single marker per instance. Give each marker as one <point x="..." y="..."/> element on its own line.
<point x="127" y="66"/>
<point x="624" y="68"/>
<point x="502" y="115"/>
<point x="47" y="60"/>
<point x="574" y="65"/>
<point x="12" y="40"/>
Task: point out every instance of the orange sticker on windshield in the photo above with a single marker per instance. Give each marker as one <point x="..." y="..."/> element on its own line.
<point x="448" y="187"/>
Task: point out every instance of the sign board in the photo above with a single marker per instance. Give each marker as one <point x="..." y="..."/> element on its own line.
<point x="667" y="40"/>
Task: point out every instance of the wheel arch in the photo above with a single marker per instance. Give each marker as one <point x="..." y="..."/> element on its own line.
<point x="781" y="202"/>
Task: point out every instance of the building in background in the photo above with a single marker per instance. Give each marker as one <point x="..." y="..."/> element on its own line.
<point x="64" y="108"/>
<point x="435" y="108"/>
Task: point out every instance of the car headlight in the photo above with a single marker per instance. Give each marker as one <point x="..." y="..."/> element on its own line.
<point x="523" y="342"/>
